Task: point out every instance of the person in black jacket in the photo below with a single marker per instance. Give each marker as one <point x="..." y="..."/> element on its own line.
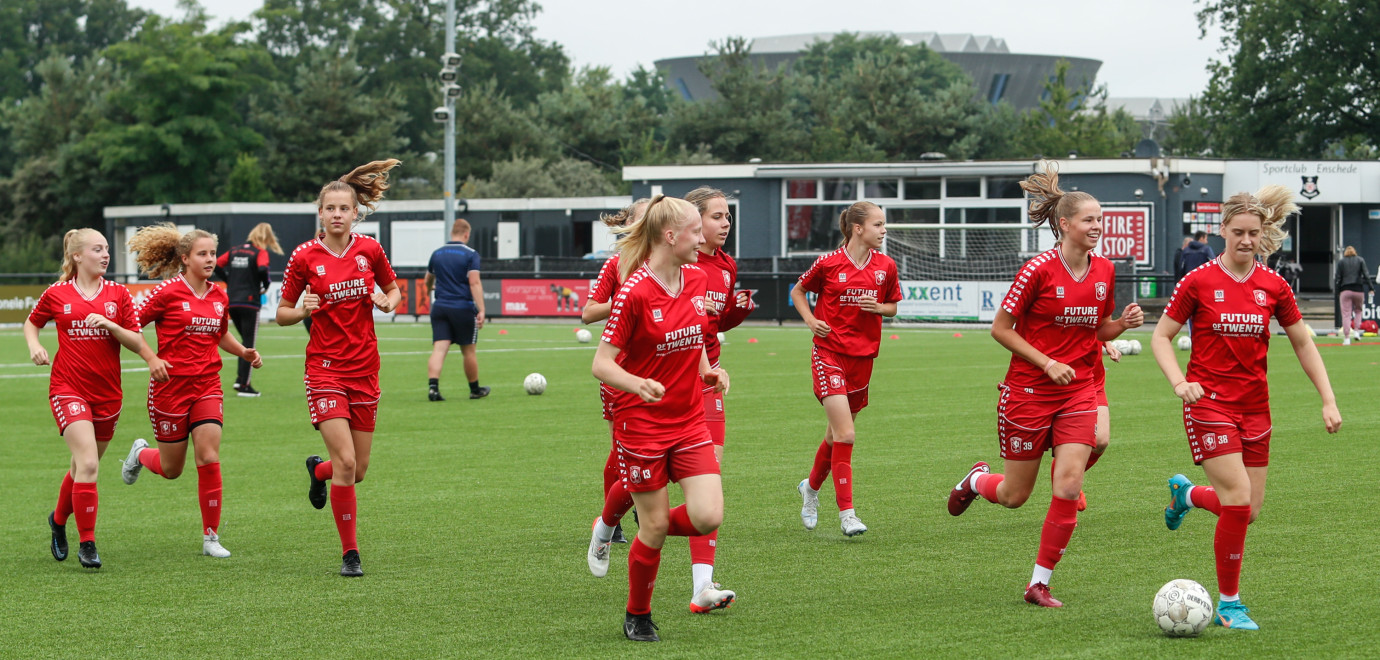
<point x="245" y="271"/>
<point x="1351" y="283"/>
<point x="1196" y="253"/>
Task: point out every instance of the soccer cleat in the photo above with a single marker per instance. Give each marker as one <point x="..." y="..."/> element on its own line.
<point x="434" y="395"/>
<point x="1082" y="501"/>
<point x="848" y="521"/>
<point x="809" y="510"/>
<point x="618" y="534"/>
<point x="1038" y="594"/>
<point x="59" y="544"/>
<point x="483" y="392"/>
<point x="210" y="545"/>
<point x="639" y="628"/>
<point x="963" y="494"/>
<point x="1234" y="615"/>
<point x="349" y="564"/>
<point x="598" y="555"/>
<point x="1179" y="504"/>
<point x="248" y="391"/>
<point x="86" y="554"/>
<point x="316" y="493"/>
<point x="711" y="598"/>
<point x="130" y="471"/>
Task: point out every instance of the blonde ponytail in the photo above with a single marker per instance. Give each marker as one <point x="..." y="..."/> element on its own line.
<point x="74" y="241"/>
<point x="1273" y="204"/>
<point x="367" y="183"/>
<point x="1047" y="202"/>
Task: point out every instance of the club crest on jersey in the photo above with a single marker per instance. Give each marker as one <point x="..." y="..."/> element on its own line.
<point x="698" y="302"/>
<point x="836" y="381"/>
<point x="320" y="270"/>
<point x="635" y="474"/>
<point x="1058" y="292"/>
<point x="220" y="309"/>
<point x="111" y="309"/>
<point x="186" y="306"/>
<point x="1218" y="295"/>
<point x="1210" y="440"/>
<point x="1259" y="297"/>
<point x="881" y="277"/>
<point x="728" y="281"/>
<point x="656" y="315"/>
<point x="361" y="263"/>
<point x="1100" y="289"/>
<point x="165" y="427"/>
<point x="843" y="277"/>
<point x="74" y="407"/>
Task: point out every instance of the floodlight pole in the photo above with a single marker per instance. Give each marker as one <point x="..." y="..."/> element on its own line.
<point x="450" y="125"/>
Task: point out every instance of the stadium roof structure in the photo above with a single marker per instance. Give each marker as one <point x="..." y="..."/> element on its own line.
<point x="999" y="75"/>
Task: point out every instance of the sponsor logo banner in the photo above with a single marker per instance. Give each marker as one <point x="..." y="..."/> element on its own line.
<point x="543" y="297"/>
<point x="950" y="301"/>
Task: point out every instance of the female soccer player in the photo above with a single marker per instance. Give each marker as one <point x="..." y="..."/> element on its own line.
<point x="192" y="320"/>
<point x="1054" y="319"/>
<point x="653" y="352"/>
<point x="857" y="285"/>
<point x="94" y="318"/>
<point x="1226" y="396"/>
<point x="245" y="271"/>
<point x="335" y="275"/>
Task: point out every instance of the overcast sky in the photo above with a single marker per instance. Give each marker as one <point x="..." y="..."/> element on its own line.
<point x="1146" y="48"/>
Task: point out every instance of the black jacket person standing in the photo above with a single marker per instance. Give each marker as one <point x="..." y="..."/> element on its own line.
<point x="245" y="271"/>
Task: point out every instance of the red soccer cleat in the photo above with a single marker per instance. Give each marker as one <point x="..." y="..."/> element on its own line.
<point x="1082" y="501"/>
<point x="963" y="494"/>
<point x="1038" y="594"/>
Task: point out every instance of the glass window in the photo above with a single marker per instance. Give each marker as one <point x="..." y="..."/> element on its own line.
<point x="922" y="188"/>
<point x="802" y="189"/>
<point x="1004" y="188"/>
<point x="1003" y="215"/>
<point x="928" y="215"/>
<point x="964" y="187"/>
<point x="812" y="228"/>
<point x="844" y="190"/>
<point x="881" y="188"/>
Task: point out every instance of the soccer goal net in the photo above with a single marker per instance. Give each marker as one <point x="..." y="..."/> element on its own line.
<point x="962" y="251"/>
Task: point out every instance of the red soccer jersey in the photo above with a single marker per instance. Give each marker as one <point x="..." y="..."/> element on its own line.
<point x="342" y="342"/>
<point x="1231" y="330"/>
<point x="189" y="326"/>
<point x="87" y="364"/>
<point x="840" y="281"/>
<point x="1059" y="315"/>
<point x="660" y="336"/>
<point x="606" y="282"/>
<point x="722" y="272"/>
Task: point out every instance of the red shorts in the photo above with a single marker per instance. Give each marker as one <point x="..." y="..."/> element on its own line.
<point x="182" y="402"/>
<point x="841" y="375"/>
<point x="1029" y="424"/>
<point x="102" y="414"/>
<point x="650" y="470"/>
<point x="1216" y="431"/>
<point x="714" y="415"/>
<point x="353" y="398"/>
<point x="1101" y="395"/>
<point x="606" y="395"/>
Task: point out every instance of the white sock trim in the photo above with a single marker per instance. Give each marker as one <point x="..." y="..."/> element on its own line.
<point x="845" y="513"/>
<point x="972" y="481"/>
<point x="702" y="575"/>
<point x="601" y="531"/>
<point x="1041" y="575"/>
<point x="1228" y="599"/>
<point x="1189" y="497"/>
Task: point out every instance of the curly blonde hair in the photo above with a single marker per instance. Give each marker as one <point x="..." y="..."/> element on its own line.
<point x="159" y="249"/>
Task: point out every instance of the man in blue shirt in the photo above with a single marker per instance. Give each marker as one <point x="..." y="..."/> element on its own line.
<point x="457" y="312"/>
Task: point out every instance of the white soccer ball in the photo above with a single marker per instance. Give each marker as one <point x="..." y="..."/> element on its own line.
<point x="1185" y="343"/>
<point x="534" y="383"/>
<point x="1135" y="347"/>
<point x="582" y="335"/>
<point x="1182" y="608"/>
<point x="722" y="339"/>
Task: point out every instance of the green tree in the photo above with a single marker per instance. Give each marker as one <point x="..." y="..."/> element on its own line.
<point x="1190" y="132"/>
<point x="1075" y="119"/>
<point x="1300" y="79"/>
<point x="322" y="123"/>
<point x="246" y="182"/>
<point x="534" y="177"/>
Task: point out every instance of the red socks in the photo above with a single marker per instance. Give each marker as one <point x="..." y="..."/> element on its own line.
<point x="84" y="503"/>
<point x="64" y="503"/>
<point x="1205" y="497"/>
<point x="643" y="563"/>
<point x="151" y="459"/>
<point x="1092" y="460"/>
<point x="1058" y="529"/>
<point x="1228" y="544"/>
<point x="843" y="474"/>
<point x="820" y="471"/>
<point x="324" y="471"/>
<point x="208" y="488"/>
<point x="680" y="523"/>
<point x="616" y="503"/>
<point x="987" y="486"/>
<point x="702" y="548"/>
<point x="343" y="509"/>
<point x="611" y="471"/>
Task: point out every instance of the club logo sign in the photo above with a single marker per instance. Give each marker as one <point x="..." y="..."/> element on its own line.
<point x="728" y="281"/>
<point x="361" y="263"/>
<point x="220" y="309"/>
<point x="635" y="474"/>
<point x="1259" y="297"/>
<point x="1100" y="289"/>
<point x="74" y="407"/>
<point x="1310" y="187"/>
<point x="698" y="302"/>
<point x="881" y="277"/>
<point x="836" y="381"/>
<point x="1210" y="440"/>
<point x="111" y="309"/>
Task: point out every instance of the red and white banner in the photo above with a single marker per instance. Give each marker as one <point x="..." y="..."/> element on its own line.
<point x="1126" y="233"/>
<point x="544" y="297"/>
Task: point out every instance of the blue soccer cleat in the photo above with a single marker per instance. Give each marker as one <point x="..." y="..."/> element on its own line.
<point x="1234" y="615"/>
<point x="1179" y="504"/>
